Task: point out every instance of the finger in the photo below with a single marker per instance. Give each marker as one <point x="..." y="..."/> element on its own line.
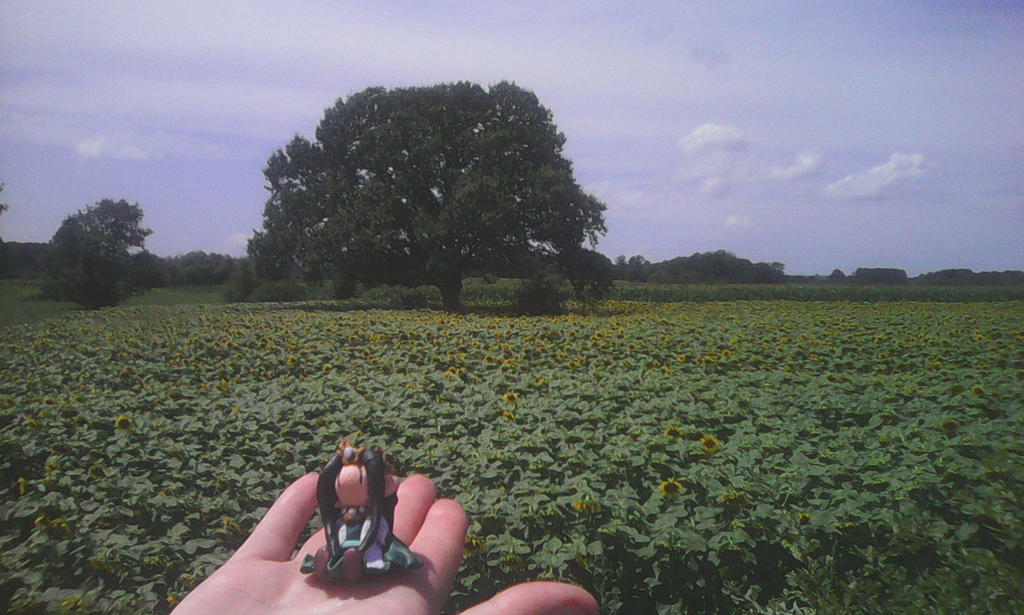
<point x="276" y="534"/>
<point x="440" y="542"/>
<point x="538" y="598"/>
<point x="416" y="495"/>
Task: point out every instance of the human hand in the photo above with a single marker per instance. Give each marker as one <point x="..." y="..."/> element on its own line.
<point x="262" y="577"/>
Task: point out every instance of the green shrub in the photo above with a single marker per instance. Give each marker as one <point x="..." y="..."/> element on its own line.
<point x="398" y="297"/>
<point x="413" y="300"/>
<point x="242" y="283"/>
<point x="278" y="291"/>
<point x="343" y="288"/>
<point x="542" y="295"/>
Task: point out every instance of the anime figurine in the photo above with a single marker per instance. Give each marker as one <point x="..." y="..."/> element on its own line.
<point x="357" y="496"/>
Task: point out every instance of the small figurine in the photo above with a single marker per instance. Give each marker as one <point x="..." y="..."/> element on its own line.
<point x="357" y="496"/>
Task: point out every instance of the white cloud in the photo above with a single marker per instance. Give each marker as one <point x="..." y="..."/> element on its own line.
<point x="720" y="156"/>
<point x="109" y="138"/>
<point x="713" y="186"/>
<point x="738" y="221"/>
<point x="716" y="156"/>
<point x="90" y="148"/>
<point x="805" y="163"/>
<point x="874" y="182"/>
<point x="100" y="147"/>
<point x="713" y="137"/>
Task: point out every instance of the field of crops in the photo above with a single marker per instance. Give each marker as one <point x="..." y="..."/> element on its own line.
<point x="745" y="457"/>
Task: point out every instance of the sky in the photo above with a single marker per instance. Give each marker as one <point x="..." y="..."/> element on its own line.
<point x="818" y="134"/>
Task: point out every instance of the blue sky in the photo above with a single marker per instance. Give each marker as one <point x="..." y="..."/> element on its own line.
<point x="819" y="134"/>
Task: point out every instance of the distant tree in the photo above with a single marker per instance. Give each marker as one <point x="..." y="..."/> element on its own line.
<point x="89" y="258"/>
<point x="25" y="259"/>
<point x="424" y="186"/>
<point x="634" y="269"/>
<point x="968" y="277"/>
<point x="719" y="267"/>
<point x="242" y="282"/>
<point x="198" y="267"/>
<point x="28" y="259"/>
<point x="145" y="271"/>
<point x="837" y="275"/>
<point x="948" y="277"/>
<point x="619" y="267"/>
<point x="880" y="275"/>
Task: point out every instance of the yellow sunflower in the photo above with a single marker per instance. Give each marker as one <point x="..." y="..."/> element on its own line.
<point x="670" y="488"/>
<point x="710" y="444"/>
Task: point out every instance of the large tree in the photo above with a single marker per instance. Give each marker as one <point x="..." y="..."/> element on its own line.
<point x="425" y="185"/>
<point x="90" y="257"/>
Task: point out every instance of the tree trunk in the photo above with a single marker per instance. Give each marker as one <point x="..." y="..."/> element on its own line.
<point x="451" y="295"/>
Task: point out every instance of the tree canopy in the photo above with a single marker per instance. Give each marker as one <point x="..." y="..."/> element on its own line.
<point x="90" y="257"/>
<point x="426" y="185"/>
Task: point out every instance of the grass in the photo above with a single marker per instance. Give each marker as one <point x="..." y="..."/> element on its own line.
<point x="22" y="301"/>
<point x="180" y="295"/>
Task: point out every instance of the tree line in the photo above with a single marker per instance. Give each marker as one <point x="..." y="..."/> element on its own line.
<point x="196" y="268"/>
<point x="722" y="267"/>
<point x="699" y="268"/>
<point x="143" y="271"/>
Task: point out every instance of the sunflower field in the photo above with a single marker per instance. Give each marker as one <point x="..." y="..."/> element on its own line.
<point x="721" y="457"/>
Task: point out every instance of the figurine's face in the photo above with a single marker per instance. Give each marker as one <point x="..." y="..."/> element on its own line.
<point x="352" y="486"/>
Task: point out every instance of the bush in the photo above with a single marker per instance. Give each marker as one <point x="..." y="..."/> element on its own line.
<point x="398" y="297"/>
<point x="413" y="300"/>
<point x="278" y="291"/>
<point x="242" y="283"/>
<point x="541" y="295"/>
<point x="343" y="288"/>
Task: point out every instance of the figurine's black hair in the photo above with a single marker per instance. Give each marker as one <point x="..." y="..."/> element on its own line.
<point x="373" y="462"/>
<point x="326" y="498"/>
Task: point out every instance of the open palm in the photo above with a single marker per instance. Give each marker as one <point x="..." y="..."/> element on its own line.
<point x="262" y="577"/>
